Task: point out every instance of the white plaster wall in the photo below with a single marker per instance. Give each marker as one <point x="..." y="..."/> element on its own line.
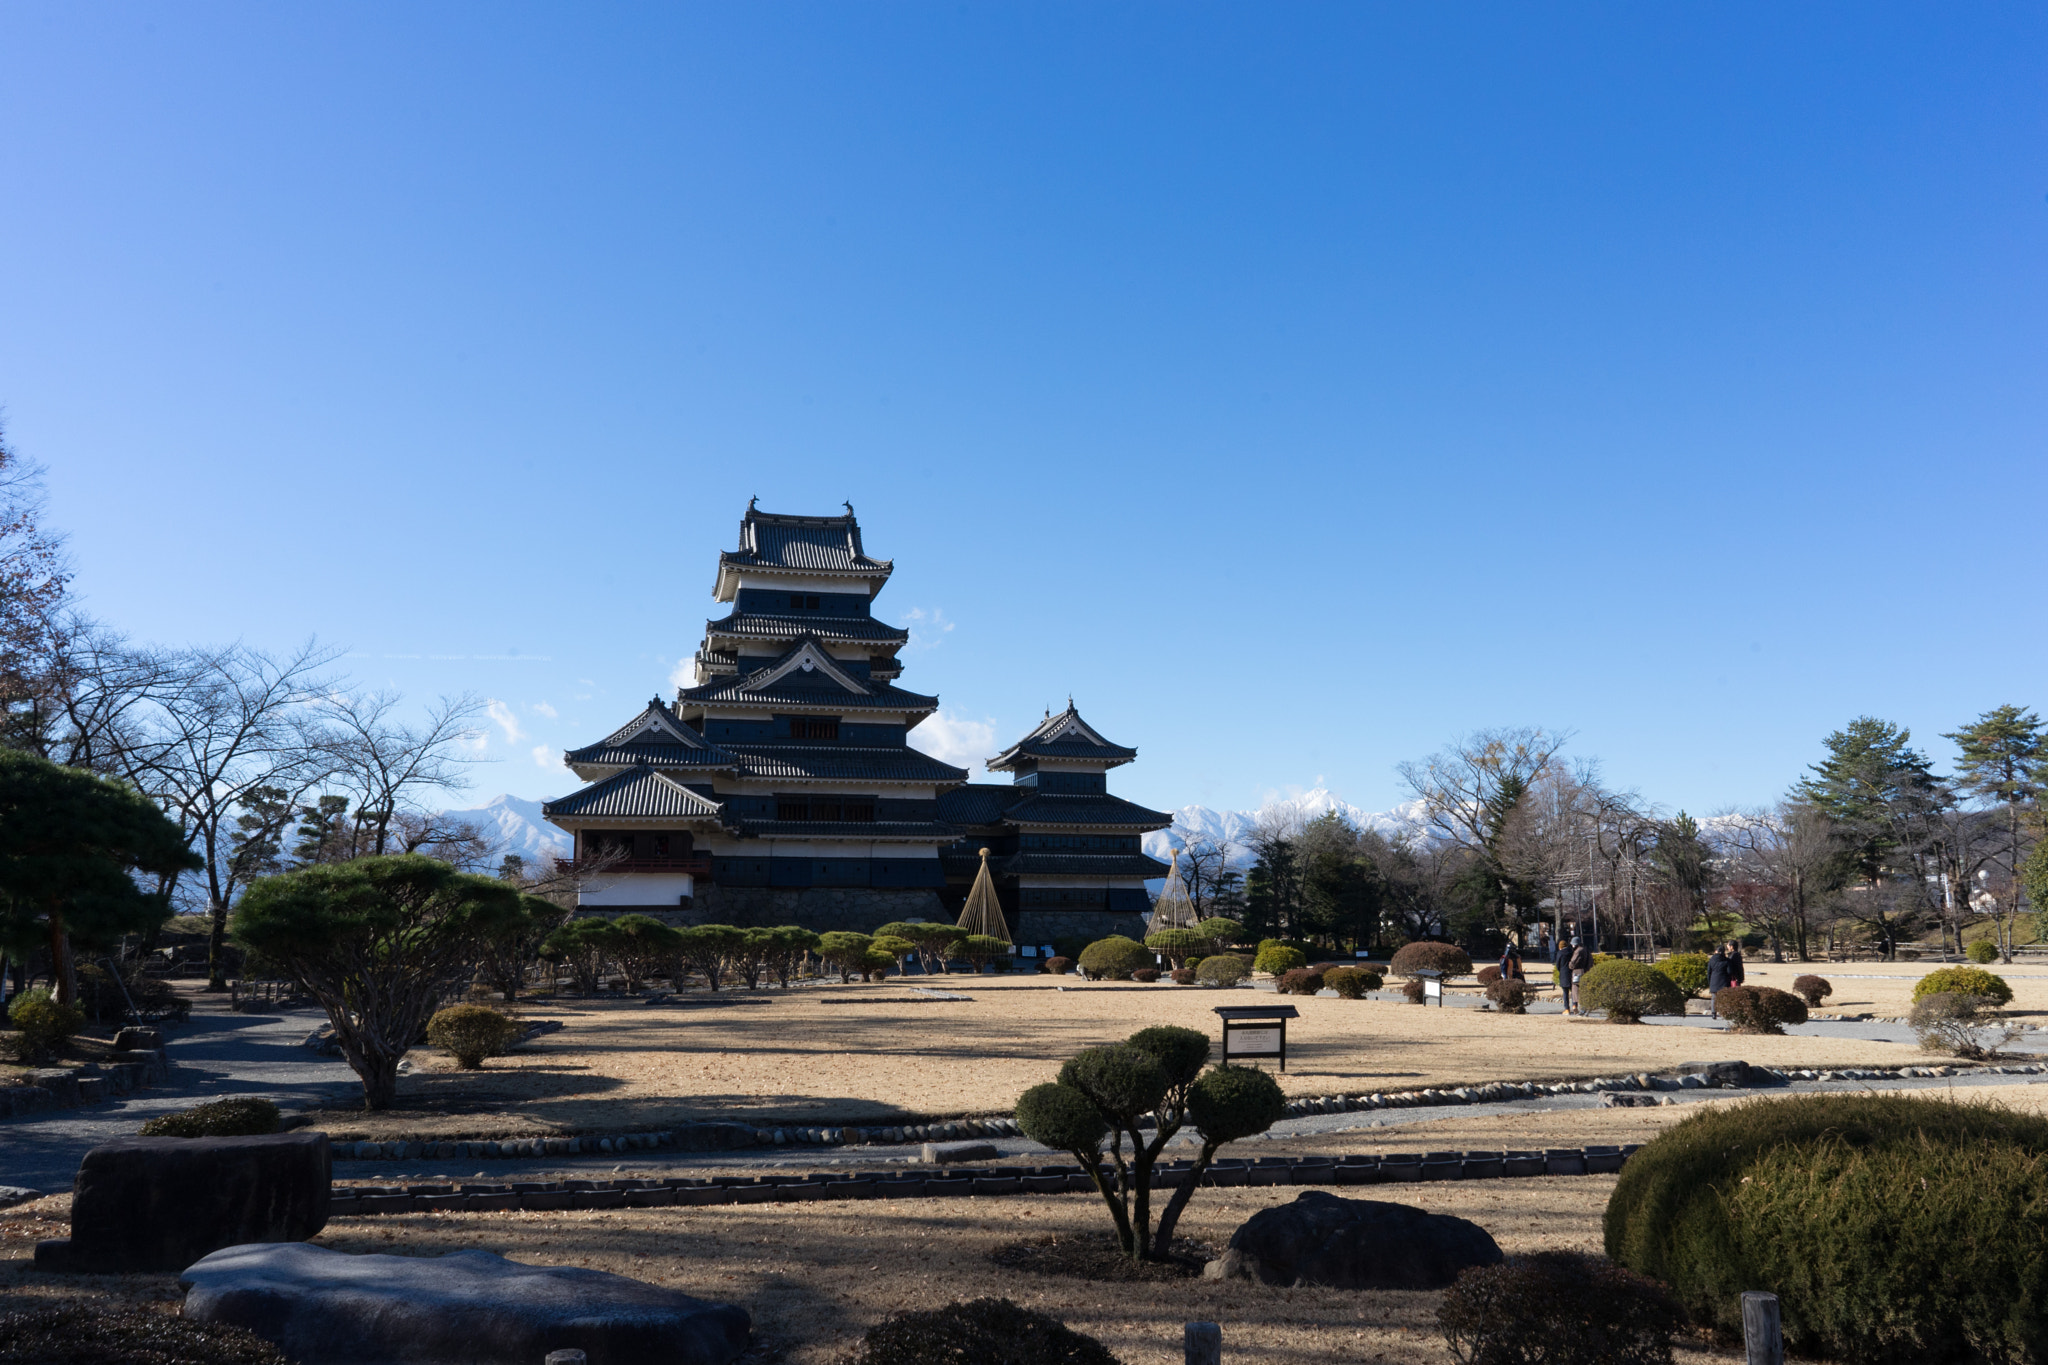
<point x="638" y="888"/>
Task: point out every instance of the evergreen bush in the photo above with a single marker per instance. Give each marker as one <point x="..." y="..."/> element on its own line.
<point x="470" y="1033"/>
<point x="1628" y="991"/>
<point x="76" y="1334"/>
<point x="1892" y="1227"/>
<point x="1301" y="981"/>
<point x="1813" y="989"/>
<point x="42" y="1024"/>
<point x="1557" y="1308"/>
<point x="1277" y="959"/>
<point x="1413" y="992"/>
<point x="1983" y="952"/>
<point x="238" y="1116"/>
<point x="1510" y="996"/>
<point x="1688" y="972"/>
<point x="1964" y="981"/>
<point x="1759" y="1009"/>
<point x="1223" y="969"/>
<point x="1427" y="955"/>
<point x="1114" y="958"/>
<point x="1220" y="932"/>
<point x="981" y="1331"/>
<point x="1351" y="982"/>
<point x="1177" y="945"/>
<point x="1960" y="1025"/>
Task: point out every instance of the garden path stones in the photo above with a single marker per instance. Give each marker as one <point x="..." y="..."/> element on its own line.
<point x="1321" y="1239"/>
<point x="159" y="1204"/>
<point x="942" y="1153"/>
<point x="325" y="1307"/>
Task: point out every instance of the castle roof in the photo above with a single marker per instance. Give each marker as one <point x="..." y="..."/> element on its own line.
<point x="1065" y="735"/>
<point x="843" y="763"/>
<point x="656" y="738"/>
<point x="808" y="546"/>
<point x="749" y="625"/>
<point x="806" y="676"/>
<point x="1055" y="808"/>
<point x="639" y="793"/>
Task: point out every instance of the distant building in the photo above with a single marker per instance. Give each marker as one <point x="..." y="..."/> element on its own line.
<point x="781" y="787"/>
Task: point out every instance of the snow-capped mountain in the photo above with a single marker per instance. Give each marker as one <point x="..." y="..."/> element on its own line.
<point x="514" y="825"/>
<point x="1237" y="825"/>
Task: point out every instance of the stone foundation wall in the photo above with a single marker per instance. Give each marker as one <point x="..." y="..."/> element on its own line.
<point x="822" y="909"/>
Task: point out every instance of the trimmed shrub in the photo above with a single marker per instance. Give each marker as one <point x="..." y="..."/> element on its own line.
<point x="1178" y="945"/>
<point x="1958" y="1024"/>
<point x="470" y="1033"/>
<point x="74" y="1334"/>
<point x="1688" y="972"/>
<point x="1557" y="1308"/>
<point x="1510" y="996"/>
<point x="1892" y="1227"/>
<point x="1146" y="974"/>
<point x="1059" y="966"/>
<point x="1413" y="991"/>
<point x="1233" y="1102"/>
<point x="1983" y="952"/>
<point x="1220" y="932"/>
<point x="1813" y="989"/>
<point x="1277" y="959"/>
<point x="239" y="1116"/>
<point x="1301" y="981"/>
<point x="1223" y="969"/>
<point x="1628" y="991"/>
<point x="42" y="1023"/>
<point x="1114" y="958"/>
<point x="986" y="1331"/>
<point x="1488" y="975"/>
<point x="1352" y="982"/>
<point x="1964" y="981"/>
<point x="1183" y="977"/>
<point x="1424" y="954"/>
<point x="1759" y="1009"/>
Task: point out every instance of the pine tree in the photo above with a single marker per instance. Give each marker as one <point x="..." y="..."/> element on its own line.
<point x="2002" y="758"/>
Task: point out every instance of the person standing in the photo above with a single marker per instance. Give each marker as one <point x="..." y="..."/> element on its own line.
<point x="1543" y="943"/>
<point x="1717" y="977"/>
<point x="1561" y="961"/>
<point x="1511" y="964"/>
<point x="1735" y="973"/>
<point x="1582" y="962"/>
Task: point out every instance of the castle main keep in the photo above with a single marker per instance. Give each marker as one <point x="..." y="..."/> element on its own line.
<point x="782" y="789"/>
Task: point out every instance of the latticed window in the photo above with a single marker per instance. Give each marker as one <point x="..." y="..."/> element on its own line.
<point x="815" y="727"/>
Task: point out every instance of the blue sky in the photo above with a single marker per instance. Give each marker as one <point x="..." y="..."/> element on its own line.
<point x="1298" y="386"/>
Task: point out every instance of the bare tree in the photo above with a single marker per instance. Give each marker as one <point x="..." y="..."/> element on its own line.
<point x="385" y="764"/>
<point x="1205" y="869"/>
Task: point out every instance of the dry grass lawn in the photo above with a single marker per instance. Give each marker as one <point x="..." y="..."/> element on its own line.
<point x="869" y="1054"/>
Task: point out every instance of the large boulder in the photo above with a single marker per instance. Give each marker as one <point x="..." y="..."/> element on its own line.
<point x="162" y="1203"/>
<point x="1320" y="1239"/>
<point x="324" y="1307"/>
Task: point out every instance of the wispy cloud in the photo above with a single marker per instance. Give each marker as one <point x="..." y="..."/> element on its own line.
<point x="928" y="629"/>
<point x="684" y="674"/>
<point x="503" y="717"/>
<point x="955" y="739"/>
<point x="548" y="757"/>
<point x="542" y="708"/>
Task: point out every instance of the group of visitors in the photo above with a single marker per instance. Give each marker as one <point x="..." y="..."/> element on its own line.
<point x="1724" y="969"/>
<point x="1570" y="959"/>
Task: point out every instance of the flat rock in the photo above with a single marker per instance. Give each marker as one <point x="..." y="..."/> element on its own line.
<point x="10" y="1195"/>
<point x="947" y="1153"/>
<point x="159" y="1204"/>
<point x="1622" y="1099"/>
<point x="138" y="1040"/>
<point x="1321" y="1239"/>
<point x="325" y="1307"/>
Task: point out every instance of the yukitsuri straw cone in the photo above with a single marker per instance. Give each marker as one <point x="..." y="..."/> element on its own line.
<point x="1174" y="910"/>
<point x="983" y="913"/>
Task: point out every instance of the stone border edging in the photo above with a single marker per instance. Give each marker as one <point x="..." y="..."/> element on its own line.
<point x="733" y="1136"/>
<point x="576" y="1195"/>
<point x="93" y="1083"/>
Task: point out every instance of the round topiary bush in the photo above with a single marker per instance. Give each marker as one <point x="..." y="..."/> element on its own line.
<point x="1232" y="1102"/>
<point x="1352" y="983"/>
<point x="1565" y="1306"/>
<point x="1182" y="977"/>
<point x="239" y="1116"/>
<point x="1488" y="975"/>
<point x="1277" y="959"/>
<point x="470" y="1033"/>
<point x="1813" y="989"/>
<point x="1426" y="955"/>
<point x="1688" y="972"/>
<point x="1301" y="981"/>
<point x="1412" y="992"/>
<point x="1223" y="969"/>
<point x="1510" y="996"/>
<point x="1759" y="1009"/>
<point x="1983" y="952"/>
<point x="1628" y="991"/>
<point x="1964" y="981"/>
<point x="1891" y="1227"/>
<point x="1059" y="966"/>
<point x="42" y="1024"/>
<point x="1146" y="975"/>
<point x="1114" y="958"/>
<point x="987" y="1331"/>
<point x="74" y="1334"/>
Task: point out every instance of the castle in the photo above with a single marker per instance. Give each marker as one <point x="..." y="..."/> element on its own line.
<point x="782" y="789"/>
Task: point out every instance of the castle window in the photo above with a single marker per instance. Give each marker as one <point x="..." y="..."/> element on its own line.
<point x="799" y="602"/>
<point x="815" y="728"/>
<point x="861" y="812"/>
<point x="792" y="808"/>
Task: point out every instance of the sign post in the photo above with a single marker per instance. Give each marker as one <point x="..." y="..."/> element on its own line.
<point x="1256" y="1032"/>
<point x="1432" y="986"/>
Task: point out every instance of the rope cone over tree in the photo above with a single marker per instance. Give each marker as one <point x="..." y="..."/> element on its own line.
<point x="984" y="913"/>
<point x="1174" y="910"/>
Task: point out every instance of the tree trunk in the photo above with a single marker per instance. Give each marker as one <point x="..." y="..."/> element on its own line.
<point x="216" y="947"/>
<point x="63" y="974"/>
<point x="380" y="1081"/>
